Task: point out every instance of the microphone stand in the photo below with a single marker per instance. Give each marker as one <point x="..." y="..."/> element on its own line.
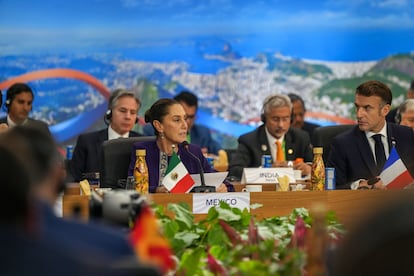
<point x="203" y="188"/>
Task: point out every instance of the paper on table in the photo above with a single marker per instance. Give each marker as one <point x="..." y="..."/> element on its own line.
<point x="211" y="179"/>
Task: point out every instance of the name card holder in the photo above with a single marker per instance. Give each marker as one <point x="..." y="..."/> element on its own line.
<point x="266" y="175"/>
<point x="202" y="202"/>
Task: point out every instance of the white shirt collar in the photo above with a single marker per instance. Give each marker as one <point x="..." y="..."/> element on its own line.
<point x="383" y="132"/>
<point x="11" y="123"/>
<point x="112" y="134"/>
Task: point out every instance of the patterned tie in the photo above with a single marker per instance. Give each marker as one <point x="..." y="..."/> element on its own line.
<point x="379" y="152"/>
<point x="279" y="152"/>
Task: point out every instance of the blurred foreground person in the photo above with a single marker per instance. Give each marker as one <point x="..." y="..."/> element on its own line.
<point x="98" y="244"/>
<point x="380" y="244"/>
<point x="23" y="250"/>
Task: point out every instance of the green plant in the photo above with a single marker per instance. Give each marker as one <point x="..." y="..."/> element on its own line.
<point x="229" y="242"/>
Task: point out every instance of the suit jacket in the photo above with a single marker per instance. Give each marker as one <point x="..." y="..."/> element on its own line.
<point x="200" y="135"/>
<point x="254" y="144"/>
<point x="153" y="162"/>
<point x="352" y="158"/>
<point x="32" y="123"/>
<point x="309" y="128"/>
<point x="87" y="153"/>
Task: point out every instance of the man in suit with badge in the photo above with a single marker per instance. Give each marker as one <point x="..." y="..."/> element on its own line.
<point x="121" y="116"/>
<point x="359" y="154"/>
<point x="275" y="137"/>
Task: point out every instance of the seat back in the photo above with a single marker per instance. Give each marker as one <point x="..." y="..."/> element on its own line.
<point x="116" y="156"/>
<point x="322" y="137"/>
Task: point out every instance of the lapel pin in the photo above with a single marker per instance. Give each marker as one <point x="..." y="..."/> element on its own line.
<point x="290" y="151"/>
<point x="264" y="147"/>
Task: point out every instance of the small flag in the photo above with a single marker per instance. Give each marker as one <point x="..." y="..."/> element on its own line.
<point x="177" y="179"/>
<point x="149" y="243"/>
<point x="395" y="174"/>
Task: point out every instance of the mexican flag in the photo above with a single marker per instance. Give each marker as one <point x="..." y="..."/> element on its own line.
<point x="177" y="179"/>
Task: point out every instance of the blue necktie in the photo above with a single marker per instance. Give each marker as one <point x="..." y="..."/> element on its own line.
<point x="379" y="152"/>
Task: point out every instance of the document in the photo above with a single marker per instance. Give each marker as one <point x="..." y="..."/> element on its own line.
<point x="211" y="179"/>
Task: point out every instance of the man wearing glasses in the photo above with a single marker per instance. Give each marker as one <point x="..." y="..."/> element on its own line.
<point x="197" y="134"/>
<point x="275" y="137"/>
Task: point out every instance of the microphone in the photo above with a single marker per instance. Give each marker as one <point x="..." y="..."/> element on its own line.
<point x="203" y="188"/>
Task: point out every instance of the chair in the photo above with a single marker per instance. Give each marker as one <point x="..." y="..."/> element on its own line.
<point x="322" y="137"/>
<point x="116" y="155"/>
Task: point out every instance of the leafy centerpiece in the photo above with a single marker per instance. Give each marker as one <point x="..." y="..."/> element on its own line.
<point x="229" y="242"/>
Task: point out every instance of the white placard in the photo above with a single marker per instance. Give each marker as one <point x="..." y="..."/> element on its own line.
<point x="202" y="202"/>
<point x="266" y="175"/>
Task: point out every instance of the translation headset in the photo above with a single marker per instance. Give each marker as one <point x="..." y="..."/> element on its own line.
<point x="268" y="101"/>
<point x="14" y="90"/>
<point x="113" y="99"/>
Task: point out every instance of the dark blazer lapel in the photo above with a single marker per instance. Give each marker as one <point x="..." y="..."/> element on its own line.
<point x="289" y="146"/>
<point x="263" y="143"/>
<point x="391" y="138"/>
<point x="365" y="150"/>
<point x="102" y="137"/>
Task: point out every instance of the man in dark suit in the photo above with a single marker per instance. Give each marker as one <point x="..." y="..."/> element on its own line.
<point x="358" y="155"/>
<point x="123" y="107"/>
<point x="19" y="103"/>
<point x="294" y="143"/>
<point x="299" y="110"/>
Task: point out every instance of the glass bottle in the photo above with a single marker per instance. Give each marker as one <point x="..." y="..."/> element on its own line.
<point x="141" y="172"/>
<point x="318" y="170"/>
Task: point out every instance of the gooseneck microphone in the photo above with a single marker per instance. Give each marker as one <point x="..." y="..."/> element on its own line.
<point x="203" y="188"/>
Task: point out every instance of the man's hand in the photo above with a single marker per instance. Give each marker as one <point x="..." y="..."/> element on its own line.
<point x="369" y="184"/>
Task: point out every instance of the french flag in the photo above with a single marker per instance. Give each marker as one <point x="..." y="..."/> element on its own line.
<point x="395" y="174"/>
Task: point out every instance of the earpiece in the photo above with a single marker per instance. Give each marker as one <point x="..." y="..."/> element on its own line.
<point x="113" y="99"/>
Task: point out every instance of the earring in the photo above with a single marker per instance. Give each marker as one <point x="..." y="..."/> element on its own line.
<point x="162" y="135"/>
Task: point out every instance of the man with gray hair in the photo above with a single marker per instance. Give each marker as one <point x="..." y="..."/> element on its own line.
<point x="405" y="114"/>
<point x="275" y="137"/>
<point x="121" y="116"/>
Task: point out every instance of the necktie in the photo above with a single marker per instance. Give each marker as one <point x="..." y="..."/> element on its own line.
<point x="280" y="156"/>
<point x="379" y="152"/>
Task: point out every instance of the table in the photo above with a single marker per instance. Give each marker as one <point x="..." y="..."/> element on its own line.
<point x="350" y="206"/>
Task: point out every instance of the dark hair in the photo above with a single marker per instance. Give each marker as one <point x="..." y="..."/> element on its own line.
<point x="375" y="88"/>
<point x="158" y="111"/>
<point x="17" y="89"/>
<point x="188" y="98"/>
<point x="294" y="97"/>
<point x="14" y="188"/>
<point x="35" y="149"/>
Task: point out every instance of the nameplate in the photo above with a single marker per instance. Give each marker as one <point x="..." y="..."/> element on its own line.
<point x="202" y="202"/>
<point x="266" y="175"/>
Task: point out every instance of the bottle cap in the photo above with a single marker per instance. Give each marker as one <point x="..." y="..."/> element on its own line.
<point x="318" y="150"/>
<point x="140" y="152"/>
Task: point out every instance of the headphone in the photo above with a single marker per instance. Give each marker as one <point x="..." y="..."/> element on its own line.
<point x="280" y="98"/>
<point x="113" y="99"/>
<point x="14" y="90"/>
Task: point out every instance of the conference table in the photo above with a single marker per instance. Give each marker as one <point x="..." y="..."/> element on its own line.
<point x="350" y="206"/>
